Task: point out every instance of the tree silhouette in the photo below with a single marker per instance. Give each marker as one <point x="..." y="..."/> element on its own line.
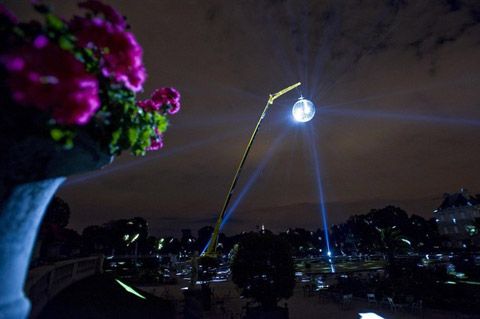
<point x="58" y="213"/>
<point x="55" y="239"/>
<point x="391" y="241"/>
<point x="360" y="232"/>
<point x="304" y="242"/>
<point x="263" y="268"/>
<point x="95" y="239"/>
<point x="204" y="235"/>
<point x="119" y="236"/>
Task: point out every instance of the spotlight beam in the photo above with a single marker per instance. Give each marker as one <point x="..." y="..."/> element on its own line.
<point x="248" y="185"/>
<point x="139" y="161"/>
<point x="318" y="177"/>
<point x="212" y="247"/>
<point x="401" y="117"/>
<point x="253" y="177"/>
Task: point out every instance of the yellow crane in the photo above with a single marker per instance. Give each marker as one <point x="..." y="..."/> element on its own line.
<point x="211" y="250"/>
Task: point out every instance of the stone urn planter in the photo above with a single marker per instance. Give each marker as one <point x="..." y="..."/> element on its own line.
<point x="31" y="171"/>
<point x="65" y="82"/>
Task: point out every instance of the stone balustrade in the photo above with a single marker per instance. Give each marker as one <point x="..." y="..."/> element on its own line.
<point x="45" y="282"/>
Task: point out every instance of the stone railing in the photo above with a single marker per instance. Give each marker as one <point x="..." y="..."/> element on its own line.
<point x="45" y="282"/>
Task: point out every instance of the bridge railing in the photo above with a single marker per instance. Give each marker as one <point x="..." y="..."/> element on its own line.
<point x="46" y="281"/>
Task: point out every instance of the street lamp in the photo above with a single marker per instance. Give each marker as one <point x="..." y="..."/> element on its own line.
<point x="303" y="111"/>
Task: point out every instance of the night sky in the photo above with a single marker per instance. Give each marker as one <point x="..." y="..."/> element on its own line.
<point x="397" y="89"/>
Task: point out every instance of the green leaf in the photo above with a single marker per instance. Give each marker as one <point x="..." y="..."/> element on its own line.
<point x="54" y="22"/>
<point x="116" y="136"/>
<point x="65" y="43"/>
<point x="68" y="144"/>
<point x="56" y="134"/>
<point x="79" y="57"/>
<point x="132" y="135"/>
<point x="161" y="122"/>
<point x="19" y="32"/>
<point x="63" y="136"/>
<point x="88" y="52"/>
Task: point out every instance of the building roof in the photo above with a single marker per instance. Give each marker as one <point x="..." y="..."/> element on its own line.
<point x="460" y="199"/>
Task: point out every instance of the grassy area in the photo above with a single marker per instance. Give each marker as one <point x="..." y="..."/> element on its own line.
<point x="324" y="267"/>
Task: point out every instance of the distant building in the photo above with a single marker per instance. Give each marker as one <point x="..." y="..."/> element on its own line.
<point x="455" y="217"/>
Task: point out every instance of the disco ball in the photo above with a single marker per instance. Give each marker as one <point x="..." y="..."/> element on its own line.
<point x="303" y="110"/>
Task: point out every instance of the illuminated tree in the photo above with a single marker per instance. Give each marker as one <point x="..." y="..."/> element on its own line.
<point x="304" y="242"/>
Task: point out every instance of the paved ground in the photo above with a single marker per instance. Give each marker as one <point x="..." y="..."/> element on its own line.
<point x="102" y="297"/>
<point x="229" y="305"/>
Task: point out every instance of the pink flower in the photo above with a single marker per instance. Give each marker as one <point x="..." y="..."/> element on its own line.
<point x="40" y="42"/>
<point x="43" y="76"/>
<point x="163" y="99"/>
<point x="168" y="97"/>
<point x="109" y="13"/>
<point x="119" y="52"/>
<point x="156" y="143"/>
<point x="148" y="105"/>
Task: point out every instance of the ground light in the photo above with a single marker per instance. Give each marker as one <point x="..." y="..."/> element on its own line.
<point x="211" y="250"/>
<point x="130" y="289"/>
<point x="369" y="315"/>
